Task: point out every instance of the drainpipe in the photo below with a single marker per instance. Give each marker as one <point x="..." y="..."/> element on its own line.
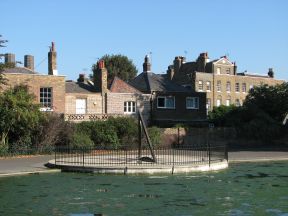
<point x="151" y="105"/>
<point x="213" y="84"/>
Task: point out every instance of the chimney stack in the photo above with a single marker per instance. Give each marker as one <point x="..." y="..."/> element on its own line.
<point x="201" y="62"/>
<point x="100" y="77"/>
<point x="235" y="68"/>
<point x="29" y="62"/>
<point x="81" y="78"/>
<point x="170" y="72"/>
<point x="177" y="64"/>
<point x="52" y="64"/>
<point x="147" y="64"/>
<point x="10" y="58"/>
<point x="271" y="73"/>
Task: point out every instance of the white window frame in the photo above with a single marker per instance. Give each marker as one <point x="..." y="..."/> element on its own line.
<point x="129" y="107"/>
<point x="46" y="97"/>
<point x="218" y="70"/>
<point x="228" y="87"/>
<point x="218" y="86"/>
<point x="165" y="102"/>
<point x="195" y="103"/>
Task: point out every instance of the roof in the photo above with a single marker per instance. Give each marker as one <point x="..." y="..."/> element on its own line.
<point x="79" y="87"/>
<point x="119" y="86"/>
<point x="19" y="70"/>
<point x="148" y="82"/>
<point x="252" y="75"/>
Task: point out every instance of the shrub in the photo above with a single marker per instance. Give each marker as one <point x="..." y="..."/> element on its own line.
<point x="53" y="130"/>
<point x="104" y="135"/>
<point x="155" y="136"/>
<point x="126" y="129"/>
<point x="101" y="133"/>
<point x="81" y="140"/>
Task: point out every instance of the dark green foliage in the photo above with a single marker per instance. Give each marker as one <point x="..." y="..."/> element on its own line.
<point x="273" y="100"/>
<point x="114" y="133"/>
<point x="3" y="80"/>
<point x="81" y="141"/>
<point x="118" y="65"/>
<point x="260" y="127"/>
<point x="221" y="116"/>
<point x="101" y="133"/>
<point x="261" y="115"/>
<point x="155" y="136"/>
<point x="19" y="116"/>
<point x="126" y="130"/>
<point x="23" y="127"/>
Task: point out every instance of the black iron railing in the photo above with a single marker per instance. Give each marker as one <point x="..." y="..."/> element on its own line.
<point x="176" y="155"/>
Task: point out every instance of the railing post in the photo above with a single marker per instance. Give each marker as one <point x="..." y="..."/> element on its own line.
<point x="126" y="156"/>
<point x="83" y="152"/>
<point x="55" y="149"/>
<point x="173" y="157"/>
<point x="209" y="153"/>
<point x="226" y="152"/>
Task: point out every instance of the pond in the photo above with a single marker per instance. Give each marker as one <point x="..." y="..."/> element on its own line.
<point x="242" y="189"/>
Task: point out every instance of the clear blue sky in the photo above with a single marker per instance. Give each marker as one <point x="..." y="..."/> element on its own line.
<point x="254" y="33"/>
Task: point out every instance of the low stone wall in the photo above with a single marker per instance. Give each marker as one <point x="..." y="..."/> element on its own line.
<point x="197" y="136"/>
<point x="218" y="136"/>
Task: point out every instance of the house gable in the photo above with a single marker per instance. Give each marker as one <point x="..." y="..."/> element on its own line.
<point x="119" y="86"/>
<point x="223" y="61"/>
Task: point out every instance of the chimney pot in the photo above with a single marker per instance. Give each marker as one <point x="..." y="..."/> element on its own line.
<point x="10" y="58"/>
<point x="81" y="78"/>
<point x="146" y="64"/>
<point x="29" y="62"/>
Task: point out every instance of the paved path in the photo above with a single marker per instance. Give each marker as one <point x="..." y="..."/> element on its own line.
<point x="25" y="165"/>
<point x="34" y="164"/>
<point x="252" y="156"/>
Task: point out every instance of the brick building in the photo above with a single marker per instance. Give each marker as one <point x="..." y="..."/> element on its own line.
<point x="49" y="90"/>
<point x="218" y="78"/>
<point x="93" y="100"/>
<point x="170" y="103"/>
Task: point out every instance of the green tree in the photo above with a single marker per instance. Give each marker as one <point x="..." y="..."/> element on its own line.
<point x="118" y="65"/>
<point x="19" y="117"/>
<point x="223" y="115"/>
<point x="261" y="115"/>
<point x="273" y="100"/>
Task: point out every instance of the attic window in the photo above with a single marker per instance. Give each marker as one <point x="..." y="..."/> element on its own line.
<point x="166" y="102"/>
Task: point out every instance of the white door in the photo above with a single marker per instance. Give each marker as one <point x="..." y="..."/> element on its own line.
<point x="80" y="106"/>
